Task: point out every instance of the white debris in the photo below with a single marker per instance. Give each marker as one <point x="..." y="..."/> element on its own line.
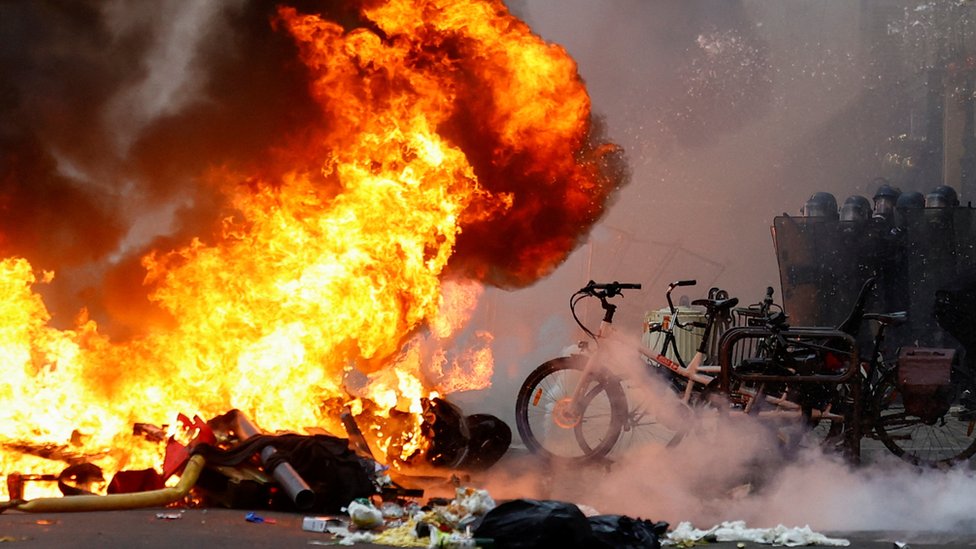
<point x="475" y="501"/>
<point x="364" y="515"/>
<point x="391" y="510"/>
<point x="781" y="535"/>
<point x="587" y="510"/>
<point x="357" y="537"/>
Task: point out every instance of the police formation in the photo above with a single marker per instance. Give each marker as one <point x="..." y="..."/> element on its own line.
<point x="922" y="248"/>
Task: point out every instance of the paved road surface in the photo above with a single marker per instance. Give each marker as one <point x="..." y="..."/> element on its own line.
<point x="216" y="528"/>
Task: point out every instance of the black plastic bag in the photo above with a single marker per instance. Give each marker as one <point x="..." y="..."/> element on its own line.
<point x="536" y="524"/>
<point x="623" y="532"/>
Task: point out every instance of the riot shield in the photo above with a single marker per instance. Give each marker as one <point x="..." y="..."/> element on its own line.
<point x="822" y="265"/>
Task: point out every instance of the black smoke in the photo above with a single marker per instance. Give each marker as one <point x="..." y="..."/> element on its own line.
<point x="111" y="115"/>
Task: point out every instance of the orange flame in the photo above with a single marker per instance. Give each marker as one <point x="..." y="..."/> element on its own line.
<point x="452" y="150"/>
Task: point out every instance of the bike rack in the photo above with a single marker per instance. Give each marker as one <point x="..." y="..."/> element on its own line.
<point x="799" y="334"/>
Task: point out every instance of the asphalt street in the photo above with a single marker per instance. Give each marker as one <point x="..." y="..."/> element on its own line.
<point x="216" y="528"/>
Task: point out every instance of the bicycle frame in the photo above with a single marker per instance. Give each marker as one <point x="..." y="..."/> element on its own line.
<point x="695" y="371"/>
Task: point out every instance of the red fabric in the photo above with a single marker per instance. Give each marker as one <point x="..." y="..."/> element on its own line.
<point x="125" y="482"/>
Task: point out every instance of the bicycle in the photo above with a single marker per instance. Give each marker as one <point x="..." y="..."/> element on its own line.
<point x="575" y="409"/>
<point x="810" y="371"/>
<point x="928" y="424"/>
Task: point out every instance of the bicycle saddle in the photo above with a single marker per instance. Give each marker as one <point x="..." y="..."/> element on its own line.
<point x="893" y="319"/>
<point x="713" y="306"/>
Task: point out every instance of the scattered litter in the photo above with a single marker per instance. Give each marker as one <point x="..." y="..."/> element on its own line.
<point x="901" y="545"/>
<point x="452" y="540"/>
<point x="446" y="524"/>
<point x="587" y="510"/>
<point x="357" y="537"/>
<point x="4" y="539"/>
<point x="474" y="501"/>
<point x="468" y="505"/>
<point x="363" y="515"/>
<point x="169" y="516"/>
<point x="537" y="523"/>
<point x="45" y="522"/>
<point x="623" y="532"/>
<point x="320" y="524"/>
<point x="392" y="510"/>
<point x="255" y="518"/>
<point x="404" y="535"/>
<point x="684" y="535"/>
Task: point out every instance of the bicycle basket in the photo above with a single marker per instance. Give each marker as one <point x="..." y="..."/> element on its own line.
<point x="924" y="381"/>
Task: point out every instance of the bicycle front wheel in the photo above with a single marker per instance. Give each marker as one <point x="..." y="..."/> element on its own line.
<point x="920" y="436"/>
<point x="551" y="427"/>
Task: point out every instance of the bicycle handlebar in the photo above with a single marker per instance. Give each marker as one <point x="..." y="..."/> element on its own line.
<point x="610" y="288"/>
<point x="674" y="285"/>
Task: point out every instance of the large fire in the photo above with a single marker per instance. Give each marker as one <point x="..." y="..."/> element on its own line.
<point x="453" y="150"/>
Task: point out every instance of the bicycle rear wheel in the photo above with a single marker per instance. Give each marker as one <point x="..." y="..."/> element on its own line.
<point x="548" y="425"/>
<point x="927" y="441"/>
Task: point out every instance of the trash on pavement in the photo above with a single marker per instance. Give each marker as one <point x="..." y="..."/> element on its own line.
<point x="169" y="516"/>
<point x="623" y="532"/>
<point x="455" y="540"/>
<point x="537" y="524"/>
<point x="258" y="519"/>
<point x="685" y="534"/>
<point x="320" y="524"/>
<point x="364" y="515"/>
<point x="444" y="524"/>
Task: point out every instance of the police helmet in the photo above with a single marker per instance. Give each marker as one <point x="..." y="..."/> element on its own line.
<point x="821" y="204"/>
<point x="885" y="198"/>
<point x="856" y="209"/>
<point x="910" y="200"/>
<point x="942" y="196"/>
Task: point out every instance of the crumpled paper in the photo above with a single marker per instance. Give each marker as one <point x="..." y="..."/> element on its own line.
<point x="685" y="534"/>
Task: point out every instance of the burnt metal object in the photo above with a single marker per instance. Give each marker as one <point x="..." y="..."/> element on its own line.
<point x="389" y="492"/>
<point x="470" y="443"/>
<point x="15" y="483"/>
<point x="291" y="482"/>
<point x="356" y="437"/>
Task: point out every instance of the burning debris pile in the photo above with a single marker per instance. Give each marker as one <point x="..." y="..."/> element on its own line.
<point x="451" y="148"/>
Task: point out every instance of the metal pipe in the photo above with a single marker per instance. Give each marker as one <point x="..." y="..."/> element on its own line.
<point x="117" y="502"/>
<point x="286" y="475"/>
